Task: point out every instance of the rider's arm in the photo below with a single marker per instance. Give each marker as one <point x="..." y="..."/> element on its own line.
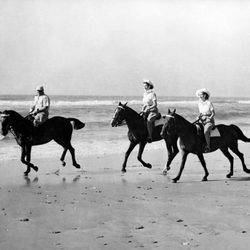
<point x="32" y="108"/>
<point x="199" y="116"/>
<point x="143" y="108"/>
<point x="154" y="103"/>
<point x="212" y="112"/>
<point x="212" y="115"/>
<point x="42" y="109"/>
<point x="46" y="104"/>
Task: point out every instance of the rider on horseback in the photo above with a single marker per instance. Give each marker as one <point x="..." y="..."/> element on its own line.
<point x="40" y="108"/>
<point x="149" y="107"/>
<point x="206" y="114"/>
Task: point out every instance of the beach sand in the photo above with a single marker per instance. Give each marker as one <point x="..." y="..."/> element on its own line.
<point x="98" y="207"/>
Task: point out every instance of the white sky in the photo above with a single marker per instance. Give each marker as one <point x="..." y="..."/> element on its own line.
<point x="106" y="47"/>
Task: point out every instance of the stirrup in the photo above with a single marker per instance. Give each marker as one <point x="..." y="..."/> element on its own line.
<point x="149" y="139"/>
<point x="207" y="149"/>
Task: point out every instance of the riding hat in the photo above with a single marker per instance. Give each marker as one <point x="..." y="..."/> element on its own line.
<point x="39" y="88"/>
<point x="148" y="82"/>
<point x="201" y="91"/>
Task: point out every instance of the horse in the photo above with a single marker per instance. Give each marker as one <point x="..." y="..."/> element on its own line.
<point x="137" y="134"/>
<point x="191" y="142"/>
<point x="56" y="128"/>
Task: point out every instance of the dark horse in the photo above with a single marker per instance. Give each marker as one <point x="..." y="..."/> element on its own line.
<point x="191" y="142"/>
<point x="56" y="128"/>
<point x="137" y="134"/>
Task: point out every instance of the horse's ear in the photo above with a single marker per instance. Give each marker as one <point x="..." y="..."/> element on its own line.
<point x="174" y="111"/>
<point x="169" y="111"/>
<point x="125" y="104"/>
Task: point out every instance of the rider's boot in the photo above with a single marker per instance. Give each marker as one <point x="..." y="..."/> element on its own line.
<point x="207" y="146"/>
<point x="150" y="132"/>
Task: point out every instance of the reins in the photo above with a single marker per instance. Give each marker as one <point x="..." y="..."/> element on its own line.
<point x="12" y="131"/>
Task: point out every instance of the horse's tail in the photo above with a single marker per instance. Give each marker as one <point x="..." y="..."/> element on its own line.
<point x="77" y="124"/>
<point x="240" y="134"/>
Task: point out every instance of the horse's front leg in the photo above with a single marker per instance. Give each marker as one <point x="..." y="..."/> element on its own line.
<point x="23" y="156"/>
<point x="28" y="158"/>
<point x="141" y="149"/>
<point x="183" y="161"/>
<point x="130" y="149"/>
<point x="172" y="152"/>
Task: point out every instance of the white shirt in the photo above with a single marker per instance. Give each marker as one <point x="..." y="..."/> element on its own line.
<point x="41" y="101"/>
<point x="205" y="107"/>
<point x="149" y="98"/>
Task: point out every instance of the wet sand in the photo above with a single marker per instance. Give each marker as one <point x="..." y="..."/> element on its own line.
<point x="98" y="207"/>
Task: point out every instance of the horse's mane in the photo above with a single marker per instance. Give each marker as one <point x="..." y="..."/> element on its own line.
<point x="132" y="111"/>
<point x="183" y="120"/>
<point x="18" y="116"/>
<point x="13" y="113"/>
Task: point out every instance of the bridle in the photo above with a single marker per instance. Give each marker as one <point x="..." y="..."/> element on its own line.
<point x="174" y="125"/>
<point x="9" y="127"/>
<point x="118" y="108"/>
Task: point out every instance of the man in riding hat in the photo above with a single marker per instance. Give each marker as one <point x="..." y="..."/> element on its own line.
<point x="40" y="108"/>
<point x="150" y="107"/>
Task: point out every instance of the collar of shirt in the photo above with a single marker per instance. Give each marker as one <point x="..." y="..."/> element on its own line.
<point x="149" y="91"/>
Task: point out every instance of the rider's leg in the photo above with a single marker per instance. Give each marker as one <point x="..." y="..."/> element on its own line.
<point x="36" y="121"/>
<point x="150" y="129"/>
<point x="207" y="128"/>
<point x="150" y="124"/>
<point x="40" y="118"/>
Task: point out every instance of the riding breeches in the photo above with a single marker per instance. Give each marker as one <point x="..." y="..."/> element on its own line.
<point x="207" y="128"/>
<point x="152" y="117"/>
<point x="40" y="118"/>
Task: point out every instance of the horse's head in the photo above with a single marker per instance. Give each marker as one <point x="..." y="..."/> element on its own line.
<point x="119" y="115"/>
<point x="6" y="121"/>
<point x="168" y="127"/>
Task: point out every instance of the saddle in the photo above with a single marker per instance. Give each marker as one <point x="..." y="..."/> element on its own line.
<point x="158" y="119"/>
<point x="200" y="131"/>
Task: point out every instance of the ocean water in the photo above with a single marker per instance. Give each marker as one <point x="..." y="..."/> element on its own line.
<point x="98" y="137"/>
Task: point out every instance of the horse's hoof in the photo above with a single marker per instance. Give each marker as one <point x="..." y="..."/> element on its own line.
<point x="168" y="168"/>
<point x="229" y="175"/>
<point x="35" y="168"/>
<point x="63" y="163"/>
<point x="148" y="165"/>
<point x="26" y="173"/>
<point x="204" y="179"/>
<point x="174" y="180"/>
<point x="77" y="166"/>
<point x="165" y="172"/>
<point x="124" y="170"/>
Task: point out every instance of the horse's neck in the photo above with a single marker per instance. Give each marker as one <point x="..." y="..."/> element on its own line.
<point x="22" y="125"/>
<point x="183" y="125"/>
<point x="133" y="118"/>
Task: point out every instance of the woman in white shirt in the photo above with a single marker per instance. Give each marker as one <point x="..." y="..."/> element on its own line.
<point x="150" y="107"/>
<point x="206" y="114"/>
